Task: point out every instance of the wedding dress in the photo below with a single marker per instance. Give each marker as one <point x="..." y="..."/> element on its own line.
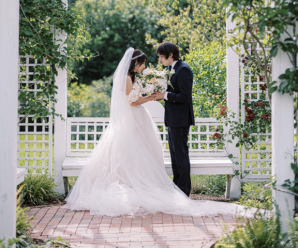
<point x="126" y="173"/>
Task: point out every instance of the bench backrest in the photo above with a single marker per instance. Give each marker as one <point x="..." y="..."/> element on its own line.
<point x="84" y="132"/>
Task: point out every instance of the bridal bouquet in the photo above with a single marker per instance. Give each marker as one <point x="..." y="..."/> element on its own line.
<point x="150" y="81"/>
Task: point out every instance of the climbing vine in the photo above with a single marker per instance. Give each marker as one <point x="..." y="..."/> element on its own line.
<point x="263" y="28"/>
<point x="40" y="20"/>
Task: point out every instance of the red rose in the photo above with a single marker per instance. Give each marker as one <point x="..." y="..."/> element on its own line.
<point x="215" y="136"/>
<point x="245" y="100"/>
<point x="256" y="105"/>
<point x="263" y="104"/>
<point x="245" y="135"/>
<point x="263" y="86"/>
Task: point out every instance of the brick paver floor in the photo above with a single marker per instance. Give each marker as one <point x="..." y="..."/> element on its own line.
<point x="81" y="229"/>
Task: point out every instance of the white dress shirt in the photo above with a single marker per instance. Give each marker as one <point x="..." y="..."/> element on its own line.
<point x="166" y="93"/>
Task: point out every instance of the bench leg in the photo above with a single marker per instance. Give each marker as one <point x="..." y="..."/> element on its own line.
<point x="66" y="189"/>
<point x="228" y="186"/>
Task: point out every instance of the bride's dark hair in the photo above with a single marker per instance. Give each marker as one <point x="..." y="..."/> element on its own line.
<point x="138" y="58"/>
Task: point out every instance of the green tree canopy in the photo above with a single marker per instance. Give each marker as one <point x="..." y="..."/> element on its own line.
<point x="190" y="23"/>
<point x="115" y="25"/>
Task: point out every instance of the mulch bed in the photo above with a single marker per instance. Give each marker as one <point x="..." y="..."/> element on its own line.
<point x="210" y="198"/>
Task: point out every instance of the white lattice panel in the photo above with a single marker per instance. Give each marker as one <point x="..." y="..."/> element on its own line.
<point x="34" y="136"/>
<point x="83" y="134"/>
<point x="256" y="162"/>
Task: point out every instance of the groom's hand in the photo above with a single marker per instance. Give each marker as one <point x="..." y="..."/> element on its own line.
<point x="158" y="95"/>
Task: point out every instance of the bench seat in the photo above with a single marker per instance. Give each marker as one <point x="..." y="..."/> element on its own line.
<point x="20" y="175"/>
<point x="199" y="166"/>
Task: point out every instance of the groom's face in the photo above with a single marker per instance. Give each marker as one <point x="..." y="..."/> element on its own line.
<point x="166" y="61"/>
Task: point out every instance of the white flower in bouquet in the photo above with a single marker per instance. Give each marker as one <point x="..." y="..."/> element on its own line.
<point x="160" y="85"/>
<point x="133" y="96"/>
<point x="147" y="72"/>
<point x="148" y="90"/>
<point x="137" y="86"/>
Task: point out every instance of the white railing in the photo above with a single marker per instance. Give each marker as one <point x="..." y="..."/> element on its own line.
<point x="84" y="132"/>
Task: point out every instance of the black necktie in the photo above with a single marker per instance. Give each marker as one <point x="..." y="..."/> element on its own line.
<point x="170" y="68"/>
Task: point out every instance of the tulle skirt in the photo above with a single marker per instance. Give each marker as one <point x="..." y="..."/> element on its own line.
<point x="126" y="175"/>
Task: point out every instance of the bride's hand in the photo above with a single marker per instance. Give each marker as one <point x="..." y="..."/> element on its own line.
<point x="151" y="98"/>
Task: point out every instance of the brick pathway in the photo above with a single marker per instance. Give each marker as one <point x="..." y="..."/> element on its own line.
<point x="160" y="230"/>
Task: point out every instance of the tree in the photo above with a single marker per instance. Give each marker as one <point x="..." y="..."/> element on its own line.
<point x="90" y="100"/>
<point x="115" y="25"/>
<point x="209" y="89"/>
<point x="189" y="23"/>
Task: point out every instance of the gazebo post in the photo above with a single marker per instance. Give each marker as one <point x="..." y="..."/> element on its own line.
<point x="233" y="104"/>
<point x="60" y="125"/>
<point x="282" y="137"/>
<point x="9" y="51"/>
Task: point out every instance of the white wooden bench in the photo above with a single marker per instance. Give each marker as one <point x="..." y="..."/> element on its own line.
<point x="205" y="157"/>
<point x="21" y="172"/>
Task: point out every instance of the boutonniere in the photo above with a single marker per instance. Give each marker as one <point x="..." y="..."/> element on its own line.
<point x="171" y="73"/>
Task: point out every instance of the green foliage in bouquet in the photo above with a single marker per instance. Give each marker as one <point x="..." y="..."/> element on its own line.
<point x="38" y="190"/>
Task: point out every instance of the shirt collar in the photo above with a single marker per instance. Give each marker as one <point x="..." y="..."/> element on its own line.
<point x="174" y="63"/>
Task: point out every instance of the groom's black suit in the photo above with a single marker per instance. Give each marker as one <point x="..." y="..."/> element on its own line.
<point x="179" y="117"/>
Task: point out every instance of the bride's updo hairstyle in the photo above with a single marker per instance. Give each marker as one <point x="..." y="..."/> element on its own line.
<point x="138" y="58"/>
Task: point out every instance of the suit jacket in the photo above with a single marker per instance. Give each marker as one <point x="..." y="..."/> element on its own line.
<point x="178" y="107"/>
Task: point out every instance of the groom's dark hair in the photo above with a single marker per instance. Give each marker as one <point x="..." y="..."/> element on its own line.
<point x="166" y="48"/>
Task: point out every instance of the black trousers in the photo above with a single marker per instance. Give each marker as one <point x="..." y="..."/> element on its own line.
<point x="179" y="157"/>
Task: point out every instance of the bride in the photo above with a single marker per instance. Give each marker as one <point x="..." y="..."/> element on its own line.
<point x="126" y="173"/>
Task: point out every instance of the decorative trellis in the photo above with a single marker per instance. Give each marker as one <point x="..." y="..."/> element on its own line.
<point x="34" y="136"/>
<point x="84" y="133"/>
<point x="256" y="162"/>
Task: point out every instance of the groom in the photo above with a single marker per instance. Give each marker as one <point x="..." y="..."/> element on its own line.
<point x="179" y="114"/>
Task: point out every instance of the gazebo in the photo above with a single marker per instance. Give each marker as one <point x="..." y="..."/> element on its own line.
<point x="282" y="140"/>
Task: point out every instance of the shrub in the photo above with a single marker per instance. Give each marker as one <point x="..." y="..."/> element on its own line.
<point x="39" y="190"/>
<point x="215" y="185"/>
<point x="14" y="241"/>
<point x="261" y="232"/>
<point x="256" y="195"/>
<point x="208" y="184"/>
<point x="23" y="226"/>
<point x="293" y="232"/>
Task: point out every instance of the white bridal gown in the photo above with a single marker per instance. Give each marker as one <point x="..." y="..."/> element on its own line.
<point x="126" y="173"/>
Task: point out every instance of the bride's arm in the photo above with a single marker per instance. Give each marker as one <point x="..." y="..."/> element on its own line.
<point x="141" y="100"/>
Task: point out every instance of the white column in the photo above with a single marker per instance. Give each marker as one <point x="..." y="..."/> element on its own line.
<point x="233" y="104"/>
<point x="282" y="136"/>
<point x="9" y="55"/>
<point x="60" y="125"/>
